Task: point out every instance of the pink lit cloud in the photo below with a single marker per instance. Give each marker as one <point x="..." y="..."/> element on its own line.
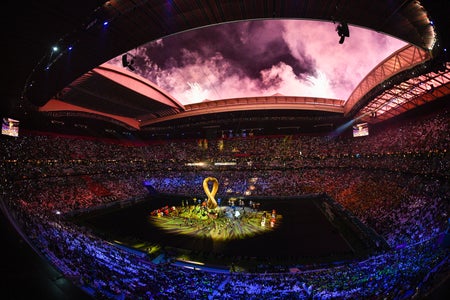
<point x="262" y="58"/>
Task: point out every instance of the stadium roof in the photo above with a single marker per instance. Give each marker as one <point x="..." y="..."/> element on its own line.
<point x="80" y="83"/>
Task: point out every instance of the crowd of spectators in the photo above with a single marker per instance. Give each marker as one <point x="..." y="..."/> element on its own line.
<point x="395" y="181"/>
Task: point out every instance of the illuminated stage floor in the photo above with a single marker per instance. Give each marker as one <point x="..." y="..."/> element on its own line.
<point x="302" y="233"/>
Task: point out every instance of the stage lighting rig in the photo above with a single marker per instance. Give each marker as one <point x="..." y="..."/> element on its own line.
<point x="128" y="63"/>
<point x="343" y="31"/>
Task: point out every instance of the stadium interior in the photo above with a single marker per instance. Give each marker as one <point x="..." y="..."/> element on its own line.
<point x="119" y="114"/>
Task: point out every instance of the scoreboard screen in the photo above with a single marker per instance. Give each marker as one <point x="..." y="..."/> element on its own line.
<point x="361" y="129"/>
<point x="10" y="127"/>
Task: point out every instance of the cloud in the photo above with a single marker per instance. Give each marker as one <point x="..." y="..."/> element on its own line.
<point x="261" y="58"/>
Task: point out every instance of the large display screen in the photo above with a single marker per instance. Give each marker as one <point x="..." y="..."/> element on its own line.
<point x="10" y="127"/>
<point x="361" y="129"/>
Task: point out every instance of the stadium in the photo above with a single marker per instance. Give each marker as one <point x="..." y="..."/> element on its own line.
<point x="226" y="150"/>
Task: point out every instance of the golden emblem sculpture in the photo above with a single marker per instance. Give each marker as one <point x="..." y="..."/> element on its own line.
<point x="211" y="203"/>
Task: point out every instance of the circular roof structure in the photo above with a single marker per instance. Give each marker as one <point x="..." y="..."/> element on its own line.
<point x="145" y="64"/>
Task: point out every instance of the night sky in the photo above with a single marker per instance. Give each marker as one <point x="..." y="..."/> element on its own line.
<point x="261" y="58"/>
